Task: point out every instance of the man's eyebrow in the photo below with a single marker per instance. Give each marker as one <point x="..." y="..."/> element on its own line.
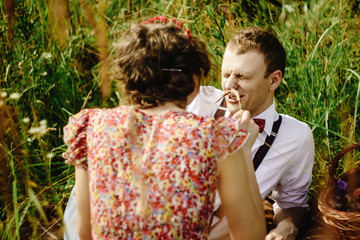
<point x="236" y="72"/>
<point x="241" y="74"/>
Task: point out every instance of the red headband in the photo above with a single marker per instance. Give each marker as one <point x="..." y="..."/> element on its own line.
<point x="163" y="19"/>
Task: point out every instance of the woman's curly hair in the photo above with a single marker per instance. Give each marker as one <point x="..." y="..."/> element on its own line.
<point x="156" y="62"/>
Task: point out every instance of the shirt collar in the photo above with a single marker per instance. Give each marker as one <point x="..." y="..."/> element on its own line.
<point x="270" y="115"/>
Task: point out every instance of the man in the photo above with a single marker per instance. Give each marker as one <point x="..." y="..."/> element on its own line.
<point x="254" y="65"/>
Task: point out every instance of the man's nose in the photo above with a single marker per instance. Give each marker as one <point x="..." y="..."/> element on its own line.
<point x="230" y="82"/>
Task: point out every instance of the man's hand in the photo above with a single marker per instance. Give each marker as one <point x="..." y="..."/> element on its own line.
<point x="285" y="230"/>
<point x="288" y="222"/>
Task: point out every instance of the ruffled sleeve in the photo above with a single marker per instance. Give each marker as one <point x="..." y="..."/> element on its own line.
<point x="229" y="139"/>
<point x="75" y="133"/>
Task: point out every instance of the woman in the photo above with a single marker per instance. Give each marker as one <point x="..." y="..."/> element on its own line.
<point x="150" y="170"/>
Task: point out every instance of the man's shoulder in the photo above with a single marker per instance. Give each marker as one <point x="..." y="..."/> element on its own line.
<point x="294" y="127"/>
<point x="206" y="102"/>
<point x="292" y="121"/>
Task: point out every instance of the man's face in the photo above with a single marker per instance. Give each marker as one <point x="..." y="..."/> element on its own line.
<point x="246" y="74"/>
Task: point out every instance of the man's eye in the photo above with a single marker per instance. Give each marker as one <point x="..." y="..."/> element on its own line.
<point x="242" y="77"/>
<point x="226" y="75"/>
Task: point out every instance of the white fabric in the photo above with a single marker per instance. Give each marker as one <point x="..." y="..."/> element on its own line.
<point x="285" y="170"/>
<point x="205" y="103"/>
<point x="70" y="218"/>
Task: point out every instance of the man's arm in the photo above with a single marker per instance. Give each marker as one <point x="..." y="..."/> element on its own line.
<point x="289" y="218"/>
<point x="288" y="222"/>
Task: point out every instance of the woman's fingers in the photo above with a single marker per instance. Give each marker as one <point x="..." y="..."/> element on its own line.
<point x="243" y="119"/>
<point x="246" y="123"/>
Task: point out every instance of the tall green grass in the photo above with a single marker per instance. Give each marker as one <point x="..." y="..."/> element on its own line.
<point x="52" y="62"/>
<point x="321" y="82"/>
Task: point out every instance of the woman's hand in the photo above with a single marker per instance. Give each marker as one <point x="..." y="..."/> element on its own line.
<point x="238" y="188"/>
<point x="246" y="123"/>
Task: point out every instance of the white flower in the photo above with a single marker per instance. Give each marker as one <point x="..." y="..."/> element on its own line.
<point x="26" y="120"/>
<point x="20" y="64"/>
<point x="38" y="130"/>
<point x="69" y="186"/>
<point x="34" y="130"/>
<point x="46" y="55"/>
<point x="14" y="96"/>
<point x="50" y="155"/>
<point x="41" y="129"/>
<point x="3" y="94"/>
<point x="289" y="8"/>
<point x="43" y="122"/>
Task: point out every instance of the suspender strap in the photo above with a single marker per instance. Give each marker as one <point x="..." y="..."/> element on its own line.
<point x="220" y="112"/>
<point x="262" y="151"/>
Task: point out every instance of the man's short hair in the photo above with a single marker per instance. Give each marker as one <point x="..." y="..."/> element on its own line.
<point x="263" y="41"/>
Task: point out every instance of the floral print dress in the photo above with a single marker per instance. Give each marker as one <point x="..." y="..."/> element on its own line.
<point x="150" y="176"/>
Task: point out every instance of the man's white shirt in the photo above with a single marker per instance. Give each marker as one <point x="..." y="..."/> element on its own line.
<point x="206" y="102"/>
<point x="287" y="167"/>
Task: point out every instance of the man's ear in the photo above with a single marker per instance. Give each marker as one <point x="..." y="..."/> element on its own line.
<point x="275" y="80"/>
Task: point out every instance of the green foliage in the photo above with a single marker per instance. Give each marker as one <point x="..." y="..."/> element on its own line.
<point x="54" y="71"/>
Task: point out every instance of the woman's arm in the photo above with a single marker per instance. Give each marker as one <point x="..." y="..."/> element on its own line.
<point x="242" y="204"/>
<point x="239" y="191"/>
<point x="83" y="203"/>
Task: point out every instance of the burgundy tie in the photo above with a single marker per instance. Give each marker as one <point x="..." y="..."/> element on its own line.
<point x="261" y="123"/>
